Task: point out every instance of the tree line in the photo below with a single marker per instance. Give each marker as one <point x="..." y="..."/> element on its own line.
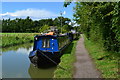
<point x="100" y="22"/>
<point x="29" y="26"/>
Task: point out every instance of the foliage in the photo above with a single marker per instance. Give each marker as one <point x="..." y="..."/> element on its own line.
<point x="106" y="62"/>
<point x="0" y="26"/>
<point x="99" y="21"/>
<point x="28" y="25"/>
<point x="65" y="29"/>
<point x="63" y="23"/>
<point x="45" y="28"/>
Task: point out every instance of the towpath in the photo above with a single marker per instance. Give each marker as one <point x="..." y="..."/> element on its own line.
<point x="84" y="66"/>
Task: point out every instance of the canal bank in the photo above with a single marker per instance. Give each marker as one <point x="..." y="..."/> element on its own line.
<point x="107" y="62"/>
<point x="12" y="39"/>
<point x="67" y="60"/>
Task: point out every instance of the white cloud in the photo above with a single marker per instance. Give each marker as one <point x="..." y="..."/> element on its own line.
<point x="24" y="51"/>
<point x="33" y="13"/>
<point x="64" y="12"/>
<point x="7" y="13"/>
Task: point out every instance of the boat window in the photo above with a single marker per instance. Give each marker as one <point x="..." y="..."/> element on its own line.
<point x="45" y="42"/>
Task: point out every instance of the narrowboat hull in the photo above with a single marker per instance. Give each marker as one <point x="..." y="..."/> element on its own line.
<point x="39" y="58"/>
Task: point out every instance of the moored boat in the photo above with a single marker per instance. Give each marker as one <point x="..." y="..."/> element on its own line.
<point x="49" y="47"/>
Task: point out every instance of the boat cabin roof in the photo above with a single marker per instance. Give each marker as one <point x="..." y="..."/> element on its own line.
<point x="52" y="36"/>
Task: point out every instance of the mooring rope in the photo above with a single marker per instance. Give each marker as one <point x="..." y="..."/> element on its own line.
<point x="52" y="60"/>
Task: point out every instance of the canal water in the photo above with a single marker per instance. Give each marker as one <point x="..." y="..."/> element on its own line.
<point x="0" y="64"/>
<point x="16" y="64"/>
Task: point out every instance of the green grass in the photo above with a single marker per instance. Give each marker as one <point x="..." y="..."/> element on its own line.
<point x="67" y="61"/>
<point x="10" y="39"/>
<point x="106" y="62"/>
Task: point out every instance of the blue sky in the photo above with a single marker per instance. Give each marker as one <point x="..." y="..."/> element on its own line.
<point x="36" y="10"/>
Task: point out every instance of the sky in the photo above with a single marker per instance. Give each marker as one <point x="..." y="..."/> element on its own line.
<point x="32" y="0"/>
<point x="36" y="10"/>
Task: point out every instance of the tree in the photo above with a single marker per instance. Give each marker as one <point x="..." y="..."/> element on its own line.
<point x="44" y="28"/>
<point x="28" y="25"/>
<point x="99" y="23"/>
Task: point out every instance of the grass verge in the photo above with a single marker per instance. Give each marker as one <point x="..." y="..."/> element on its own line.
<point x="10" y="39"/>
<point x="106" y="62"/>
<point x="67" y="61"/>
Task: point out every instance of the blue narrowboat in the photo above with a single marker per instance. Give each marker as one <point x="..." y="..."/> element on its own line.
<point x="48" y="47"/>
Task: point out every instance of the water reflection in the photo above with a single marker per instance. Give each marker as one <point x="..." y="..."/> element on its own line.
<point x="0" y="66"/>
<point x="40" y="72"/>
<point x="16" y="64"/>
<point x="0" y="63"/>
<point x="14" y="48"/>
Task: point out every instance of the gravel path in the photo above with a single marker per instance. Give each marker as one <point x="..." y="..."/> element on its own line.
<point x="84" y="67"/>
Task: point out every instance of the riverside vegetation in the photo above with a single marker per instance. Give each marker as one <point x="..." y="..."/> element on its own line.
<point x="107" y="62"/>
<point x="99" y="21"/>
<point x="67" y="61"/>
<point x="11" y="39"/>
